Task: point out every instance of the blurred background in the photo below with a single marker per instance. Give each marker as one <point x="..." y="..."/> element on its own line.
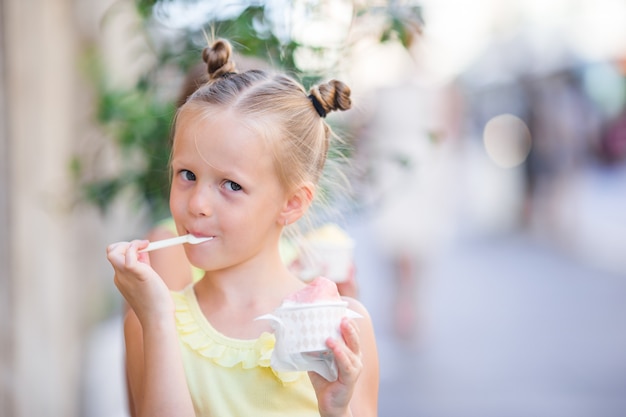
<point x="488" y="142"/>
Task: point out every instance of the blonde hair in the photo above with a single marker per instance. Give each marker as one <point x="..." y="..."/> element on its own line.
<point x="278" y="108"/>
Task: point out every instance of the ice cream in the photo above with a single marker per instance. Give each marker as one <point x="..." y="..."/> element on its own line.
<point x="320" y="290"/>
<point x="308" y="317"/>
<point x="329" y="233"/>
<point x="303" y="323"/>
<point x="327" y="251"/>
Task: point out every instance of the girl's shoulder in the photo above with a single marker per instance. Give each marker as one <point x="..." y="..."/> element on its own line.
<point x="356" y="306"/>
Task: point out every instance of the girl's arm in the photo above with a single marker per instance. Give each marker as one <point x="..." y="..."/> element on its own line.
<point x="156" y="379"/>
<point x="364" y="401"/>
<point x="157" y="384"/>
<point x="355" y="392"/>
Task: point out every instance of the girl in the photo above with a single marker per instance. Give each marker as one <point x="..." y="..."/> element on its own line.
<point x="248" y="151"/>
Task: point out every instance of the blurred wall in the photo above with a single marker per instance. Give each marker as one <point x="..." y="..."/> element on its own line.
<point x="55" y="282"/>
<point x="5" y="299"/>
<point x="40" y="323"/>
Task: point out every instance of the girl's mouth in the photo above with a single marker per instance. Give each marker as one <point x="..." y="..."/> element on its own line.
<point x="201" y="235"/>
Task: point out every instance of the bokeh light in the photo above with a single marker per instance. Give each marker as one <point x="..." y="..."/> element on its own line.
<point x="507" y="140"/>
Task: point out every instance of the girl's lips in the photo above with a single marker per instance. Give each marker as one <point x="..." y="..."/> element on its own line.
<point x="201" y="235"/>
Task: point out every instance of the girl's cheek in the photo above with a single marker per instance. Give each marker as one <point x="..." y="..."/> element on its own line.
<point x="177" y="204"/>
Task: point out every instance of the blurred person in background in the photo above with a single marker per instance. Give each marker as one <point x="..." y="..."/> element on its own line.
<point x="408" y="150"/>
<point x="540" y="89"/>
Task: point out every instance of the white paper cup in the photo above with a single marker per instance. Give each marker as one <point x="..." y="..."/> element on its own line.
<point x="332" y="260"/>
<point x="305" y="328"/>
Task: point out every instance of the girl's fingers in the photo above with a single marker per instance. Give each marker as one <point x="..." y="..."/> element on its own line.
<point x="116" y="252"/>
<point x="117" y="247"/>
<point x="348" y="353"/>
<point x="132" y="253"/>
<point x="348" y="364"/>
<point x="143" y="257"/>
<point x="130" y="257"/>
<point x="350" y="333"/>
<point x="113" y="246"/>
<point x="125" y="254"/>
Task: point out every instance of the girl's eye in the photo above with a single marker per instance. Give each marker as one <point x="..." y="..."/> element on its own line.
<point x="187" y="175"/>
<point x="232" y="186"/>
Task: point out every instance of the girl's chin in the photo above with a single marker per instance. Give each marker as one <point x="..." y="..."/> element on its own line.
<point x="196" y="256"/>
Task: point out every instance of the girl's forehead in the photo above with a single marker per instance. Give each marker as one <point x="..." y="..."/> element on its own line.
<point x="214" y="128"/>
<point x="194" y="116"/>
<point x="220" y="138"/>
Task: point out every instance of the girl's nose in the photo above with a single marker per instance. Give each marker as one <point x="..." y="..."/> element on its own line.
<point x="200" y="203"/>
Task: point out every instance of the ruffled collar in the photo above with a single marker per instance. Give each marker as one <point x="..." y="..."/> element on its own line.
<point x="197" y="333"/>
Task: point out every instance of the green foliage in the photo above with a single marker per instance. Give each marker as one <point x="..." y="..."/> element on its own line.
<point x="139" y="123"/>
<point x="402" y="24"/>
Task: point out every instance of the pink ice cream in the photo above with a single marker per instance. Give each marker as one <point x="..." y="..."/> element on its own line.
<point x="320" y="290"/>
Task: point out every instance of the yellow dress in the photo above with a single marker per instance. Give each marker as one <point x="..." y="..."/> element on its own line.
<point x="232" y="377"/>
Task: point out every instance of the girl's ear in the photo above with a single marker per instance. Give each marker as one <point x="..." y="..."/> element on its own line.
<point x="298" y="204"/>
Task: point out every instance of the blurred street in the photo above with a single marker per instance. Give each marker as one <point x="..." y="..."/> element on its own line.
<point x="507" y="325"/>
<point x="512" y="325"/>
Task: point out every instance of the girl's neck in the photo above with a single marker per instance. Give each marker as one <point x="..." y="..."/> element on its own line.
<point x="256" y="282"/>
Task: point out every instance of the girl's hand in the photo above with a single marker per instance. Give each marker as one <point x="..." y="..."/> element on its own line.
<point x="141" y="286"/>
<point x="334" y="397"/>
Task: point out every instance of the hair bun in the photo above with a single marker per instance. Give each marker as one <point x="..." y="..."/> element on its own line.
<point x="331" y="96"/>
<point x="217" y="57"/>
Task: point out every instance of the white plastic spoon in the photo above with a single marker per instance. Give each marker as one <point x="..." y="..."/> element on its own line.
<point x="166" y="243"/>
